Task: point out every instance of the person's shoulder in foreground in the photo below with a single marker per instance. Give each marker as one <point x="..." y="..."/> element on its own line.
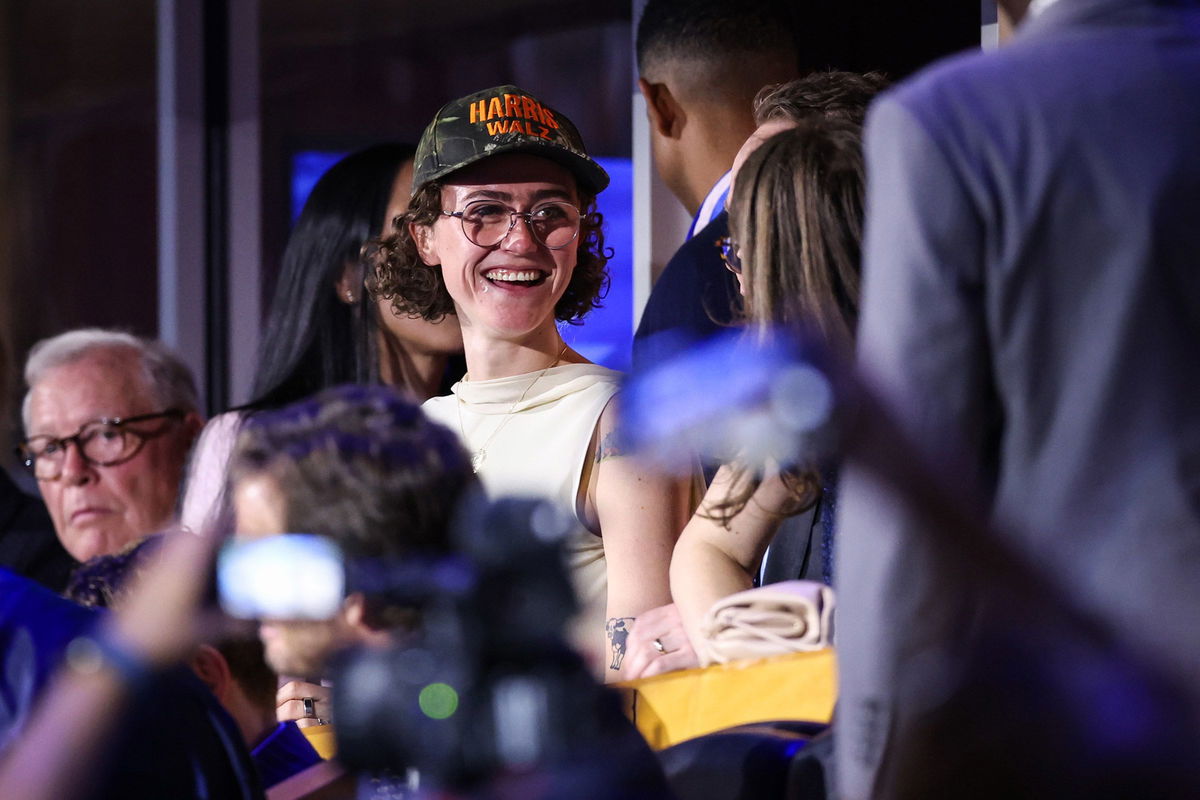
<point x="175" y="742"/>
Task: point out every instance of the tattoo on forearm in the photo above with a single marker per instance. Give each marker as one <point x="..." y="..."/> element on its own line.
<point x="609" y="447"/>
<point x="617" y="630"/>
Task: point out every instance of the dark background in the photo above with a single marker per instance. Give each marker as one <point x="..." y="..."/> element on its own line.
<point x="78" y="115"/>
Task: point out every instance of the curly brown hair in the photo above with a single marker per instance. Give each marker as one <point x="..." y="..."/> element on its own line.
<point x="831" y="94"/>
<point x="397" y="273"/>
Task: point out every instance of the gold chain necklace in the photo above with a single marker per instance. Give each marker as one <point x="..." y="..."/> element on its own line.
<point x="479" y="455"/>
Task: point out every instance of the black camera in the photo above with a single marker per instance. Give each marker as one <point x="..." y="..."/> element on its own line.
<point x="487" y="688"/>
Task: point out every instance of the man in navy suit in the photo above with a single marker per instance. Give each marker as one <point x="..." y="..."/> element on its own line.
<point x="1031" y="302"/>
<point x="701" y="63"/>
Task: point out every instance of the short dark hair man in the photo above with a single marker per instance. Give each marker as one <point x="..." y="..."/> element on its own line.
<point x="701" y="62"/>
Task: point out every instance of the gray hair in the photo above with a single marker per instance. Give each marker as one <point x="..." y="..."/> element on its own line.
<point x="166" y="374"/>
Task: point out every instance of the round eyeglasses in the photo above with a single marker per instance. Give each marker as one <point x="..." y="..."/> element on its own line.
<point x="487" y="222"/>
<point x="103" y="442"/>
<point x="729" y="254"/>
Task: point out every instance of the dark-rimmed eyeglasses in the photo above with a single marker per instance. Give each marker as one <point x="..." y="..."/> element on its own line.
<point x="103" y="442"/>
<point x="487" y="222"/>
<point x="729" y="254"/>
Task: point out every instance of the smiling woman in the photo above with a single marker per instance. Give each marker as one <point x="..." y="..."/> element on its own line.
<point x="519" y="311"/>
<point x="502" y="233"/>
<point x="402" y="274"/>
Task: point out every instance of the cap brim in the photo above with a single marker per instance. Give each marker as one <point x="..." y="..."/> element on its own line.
<point x="591" y="176"/>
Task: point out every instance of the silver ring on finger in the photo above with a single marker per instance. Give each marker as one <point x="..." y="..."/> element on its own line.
<point x="310" y="707"/>
<point x="660" y="647"/>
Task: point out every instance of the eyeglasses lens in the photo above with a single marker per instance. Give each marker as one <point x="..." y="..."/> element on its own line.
<point x="106" y="443"/>
<point x="553" y="224"/>
<point x="729" y="254"/>
<point x="99" y="443"/>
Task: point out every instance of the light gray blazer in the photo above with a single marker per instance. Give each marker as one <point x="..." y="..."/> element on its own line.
<point x="1031" y="299"/>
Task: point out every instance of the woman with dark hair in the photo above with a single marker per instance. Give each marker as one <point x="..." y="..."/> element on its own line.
<point x="323" y="328"/>
<point x="503" y="234"/>
<point x="796" y="214"/>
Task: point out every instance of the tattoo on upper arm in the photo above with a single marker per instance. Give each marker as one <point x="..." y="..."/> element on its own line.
<point x="609" y="447"/>
<point x="617" y="630"/>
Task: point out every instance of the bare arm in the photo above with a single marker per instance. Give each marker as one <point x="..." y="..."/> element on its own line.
<point x="712" y="561"/>
<point x="640" y="514"/>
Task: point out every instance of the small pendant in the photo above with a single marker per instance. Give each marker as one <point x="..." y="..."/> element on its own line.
<point x="477" y="459"/>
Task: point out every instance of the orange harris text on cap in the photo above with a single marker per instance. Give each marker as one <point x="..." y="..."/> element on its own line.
<point x="513" y="106"/>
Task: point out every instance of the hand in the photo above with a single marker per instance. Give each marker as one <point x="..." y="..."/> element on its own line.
<point x="159" y="622"/>
<point x="289" y="703"/>
<point x="642" y="657"/>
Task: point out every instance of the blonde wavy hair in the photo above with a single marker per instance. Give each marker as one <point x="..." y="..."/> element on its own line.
<point x="797" y="216"/>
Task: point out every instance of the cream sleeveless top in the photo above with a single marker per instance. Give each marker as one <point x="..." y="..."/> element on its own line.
<point x="538" y="450"/>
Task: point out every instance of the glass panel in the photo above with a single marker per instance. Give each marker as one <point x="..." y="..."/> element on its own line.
<point x="77" y="176"/>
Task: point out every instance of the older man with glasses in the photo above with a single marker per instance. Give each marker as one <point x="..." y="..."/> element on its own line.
<point x="109" y="419"/>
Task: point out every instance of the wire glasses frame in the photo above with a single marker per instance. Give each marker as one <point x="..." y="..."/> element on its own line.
<point x="103" y="442"/>
<point x="487" y="223"/>
<point x="729" y="254"/>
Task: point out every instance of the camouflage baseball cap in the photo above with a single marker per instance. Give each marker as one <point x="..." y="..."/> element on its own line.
<point x="504" y="119"/>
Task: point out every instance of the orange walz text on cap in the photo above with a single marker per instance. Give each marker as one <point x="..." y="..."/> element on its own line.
<point x="513" y="113"/>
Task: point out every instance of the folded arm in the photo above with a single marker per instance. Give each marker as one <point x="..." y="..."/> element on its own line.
<point x="713" y="561"/>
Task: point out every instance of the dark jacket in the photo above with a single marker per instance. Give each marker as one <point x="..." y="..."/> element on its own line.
<point x="694" y="298"/>
<point x="172" y="739"/>
<point x="28" y="545"/>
